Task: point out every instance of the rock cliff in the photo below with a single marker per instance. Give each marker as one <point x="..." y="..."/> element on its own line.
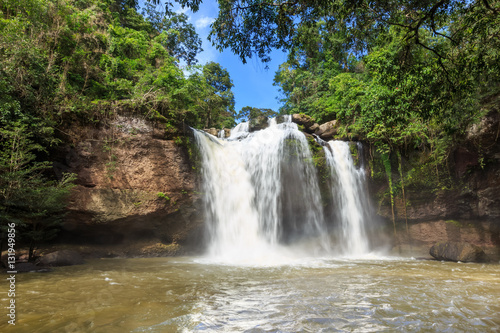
<point x="467" y="211"/>
<point x="135" y="194"/>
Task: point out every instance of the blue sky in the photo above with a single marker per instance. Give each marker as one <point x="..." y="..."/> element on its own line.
<point x="253" y="84"/>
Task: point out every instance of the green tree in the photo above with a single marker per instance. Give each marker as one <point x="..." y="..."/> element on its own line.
<point x="247" y="112"/>
<point x="218" y="106"/>
<point x="250" y="27"/>
<point x="27" y="198"/>
<point x="177" y="35"/>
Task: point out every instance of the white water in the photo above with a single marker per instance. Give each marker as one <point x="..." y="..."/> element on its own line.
<point x="349" y="191"/>
<point x="263" y="201"/>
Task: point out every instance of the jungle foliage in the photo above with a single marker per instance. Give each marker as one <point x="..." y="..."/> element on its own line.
<point x="79" y="62"/>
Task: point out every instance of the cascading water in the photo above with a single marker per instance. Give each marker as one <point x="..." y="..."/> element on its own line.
<point x="260" y="191"/>
<point x="348" y="191"/>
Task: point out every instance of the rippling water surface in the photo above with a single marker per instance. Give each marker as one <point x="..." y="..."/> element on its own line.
<point x="316" y="295"/>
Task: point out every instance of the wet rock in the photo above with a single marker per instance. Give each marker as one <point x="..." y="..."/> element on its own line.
<point x="280" y="119"/>
<point x="61" y="258"/>
<point x="457" y="251"/>
<point x="327" y="130"/>
<point x="464" y="159"/>
<point x="211" y="131"/>
<point x="258" y="123"/>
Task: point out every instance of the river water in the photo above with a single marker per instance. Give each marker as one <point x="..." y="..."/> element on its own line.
<point x="305" y="295"/>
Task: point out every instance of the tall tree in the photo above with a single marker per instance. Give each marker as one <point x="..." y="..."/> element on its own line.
<point x="219" y="100"/>
<point x="177" y="35"/>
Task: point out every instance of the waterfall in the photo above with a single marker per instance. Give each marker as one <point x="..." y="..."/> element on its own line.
<point x="262" y="195"/>
<point x="349" y="194"/>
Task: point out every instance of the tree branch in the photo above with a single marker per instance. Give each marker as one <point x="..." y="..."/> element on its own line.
<point x="488" y="6"/>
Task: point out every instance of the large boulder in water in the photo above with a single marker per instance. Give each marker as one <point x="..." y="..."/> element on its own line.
<point x="258" y="123"/>
<point x="457" y="251"/>
<point x="62" y="258"/>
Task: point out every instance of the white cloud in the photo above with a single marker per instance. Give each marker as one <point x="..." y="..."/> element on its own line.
<point x="203" y="22"/>
<point x="181" y="10"/>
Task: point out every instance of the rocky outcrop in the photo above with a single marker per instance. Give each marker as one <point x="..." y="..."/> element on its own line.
<point x="258" y="123"/>
<point x="328" y="130"/>
<point x="61" y="258"/>
<point x="134" y="190"/>
<point x="467" y="211"/>
<point x="213" y="131"/>
<point x="306" y="123"/>
<point x="454" y="251"/>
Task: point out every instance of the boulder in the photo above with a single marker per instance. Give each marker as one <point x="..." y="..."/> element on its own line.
<point x="308" y="123"/>
<point x="327" y="130"/>
<point x="313" y="128"/>
<point x="303" y="119"/>
<point x="457" y="251"/>
<point x="211" y="131"/>
<point x="258" y="123"/>
<point x="280" y="119"/>
<point x="62" y="258"/>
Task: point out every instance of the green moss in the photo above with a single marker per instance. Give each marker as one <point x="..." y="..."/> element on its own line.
<point x="353" y="148"/>
<point x="163" y="195"/>
<point x="455" y="223"/>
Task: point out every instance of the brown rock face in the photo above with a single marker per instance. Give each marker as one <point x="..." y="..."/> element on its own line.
<point x="469" y="211"/>
<point x="134" y="189"/>
<point x="454" y="251"/>
<point x="303" y="119"/>
<point x="213" y="131"/>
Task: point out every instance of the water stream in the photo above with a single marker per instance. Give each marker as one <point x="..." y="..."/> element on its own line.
<point x="262" y="196"/>
<point x="349" y="191"/>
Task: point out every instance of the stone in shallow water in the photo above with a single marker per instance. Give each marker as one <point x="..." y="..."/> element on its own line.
<point x="456" y="251"/>
<point x="62" y="258"/>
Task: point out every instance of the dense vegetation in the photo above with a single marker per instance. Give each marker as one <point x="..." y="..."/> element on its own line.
<point x="78" y="62"/>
